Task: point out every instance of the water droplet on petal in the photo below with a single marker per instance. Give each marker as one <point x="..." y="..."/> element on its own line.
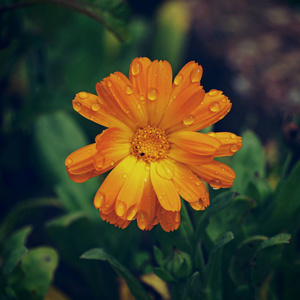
<point x="112" y="163"/>
<point x="99" y="199"/>
<point x="83" y="95"/>
<point x="124" y="175"/>
<point x="215" y="183"/>
<point x="177" y="217"/>
<point x="196" y="74"/>
<point x="212" y="134"/>
<point x="198" y="182"/>
<point x="166" y="171"/>
<point x="214" y="107"/>
<point x="142" y="98"/>
<point x="227" y="140"/>
<point x="189" y="120"/>
<point x="222" y="169"/>
<point x="99" y="160"/>
<point x="213" y="93"/>
<point x="68" y="161"/>
<point x="178" y="79"/>
<point x="121" y="208"/>
<point x="233" y="136"/>
<point x="131" y="213"/>
<point x="136" y="68"/>
<point x="128" y="90"/>
<point x="223" y="100"/>
<point x="142" y="220"/>
<point x="107" y="205"/>
<point x="152" y="94"/>
<point x="77" y="106"/>
<point x="234" y="148"/>
<point x="138" y="106"/>
<point x="127" y="111"/>
<point x="147" y="167"/>
<point x="95" y="106"/>
<point x="109" y="83"/>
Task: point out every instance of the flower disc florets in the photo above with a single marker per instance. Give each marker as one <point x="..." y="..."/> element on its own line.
<point x="150" y="144"/>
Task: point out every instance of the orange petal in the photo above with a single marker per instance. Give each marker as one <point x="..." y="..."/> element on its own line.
<point x="138" y="75"/>
<point x="127" y="96"/>
<point x="112" y="218"/>
<point x="217" y="174"/>
<point x="90" y="106"/>
<point x="188" y="185"/>
<point x="214" y="107"/>
<point x="110" y="102"/>
<point x="161" y="175"/>
<point x="186" y="95"/>
<point x="112" y="146"/>
<point x="195" y="142"/>
<point x="187" y="157"/>
<point x="148" y="207"/>
<point x="158" y="90"/>
<point x="169" y="220"/>
<point x="231" y="143"/>
<point x="80" y="164"/>
<point x="132" y="190"/>
<point x="106" y="195"/>
<point x="201" y="203"/>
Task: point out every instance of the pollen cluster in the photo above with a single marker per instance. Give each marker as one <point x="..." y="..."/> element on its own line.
<point x="150" y="144"/>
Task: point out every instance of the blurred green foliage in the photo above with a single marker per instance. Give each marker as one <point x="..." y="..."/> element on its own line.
<point x="245" y="245"/>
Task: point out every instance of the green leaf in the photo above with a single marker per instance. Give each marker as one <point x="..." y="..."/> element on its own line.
<point x="248" y="162"/>
<point x="164" y="275"/>
<point x="22" y="211"/>
<point x="158" y="256"/>
<point x="14" y="250"/>
<point x="212" y="288"/>
<point x="282" y="238"/>
<point x="286" y="205"/>
<point x="217" y="205"/>
<point x="192" y="288"/>
<point x="56" y="136"/>
<point x="37" y="268"/>
<point x="133" y="284"/>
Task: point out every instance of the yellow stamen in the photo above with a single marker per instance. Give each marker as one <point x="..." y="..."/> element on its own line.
<point x="150" y="144"/>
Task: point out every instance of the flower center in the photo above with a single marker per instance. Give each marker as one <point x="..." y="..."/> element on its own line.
<point x="150" y="144"/>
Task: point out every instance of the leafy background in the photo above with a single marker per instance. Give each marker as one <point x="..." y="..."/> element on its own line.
<point x="53" y="243"/>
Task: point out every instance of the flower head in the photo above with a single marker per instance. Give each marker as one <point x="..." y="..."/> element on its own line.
<point x="151" y="144"/>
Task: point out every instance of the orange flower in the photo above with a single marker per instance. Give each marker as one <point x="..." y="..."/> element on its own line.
<point x="152" y="145"/>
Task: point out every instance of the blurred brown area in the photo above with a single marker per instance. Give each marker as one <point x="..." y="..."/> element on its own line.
<point x="258" y="44"/>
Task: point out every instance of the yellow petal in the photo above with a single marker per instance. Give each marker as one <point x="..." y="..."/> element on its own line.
<point x="201" y="203"/>
<point x="158" y="90"/>
<point x="213" y="108"/>
<point x="92" y="108"/>
<point x="112" y="218"/>
<point x="217" y="174"/>
<point x="112" y="146"/>
<point x="186" y="95"/>
<point x="169" y="220"/>
<point x="164" y="188"/>
<point x="230" y="143"/>
<point x="187" y="157"/>
<point x="188" y="185"/>
<point x="195" y="142"/>
<point x="80" y="164"/>
<point x="106" y="195"/>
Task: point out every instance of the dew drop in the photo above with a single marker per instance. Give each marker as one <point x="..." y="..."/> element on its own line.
<point x="99" y="160"/>
<point x="136" y="68"/>
<point x="99" y="199"/>
<point x="198" y="182"/>
<point x="166" y="171"/>
<point x="124" y="175"/>
<point x="95" y="106"/>
<point x="68" y="161"/>
<point x="138" y="106"/>
<point x="223" y="100"/>
<point x="83" y="95"/>
<point x="77" y="106"/>
<point x="189" y="120"/>
<point x="109" y="83"/>
<point x="177" y="217"/>
<point x="142" y="98"/>
<point x="107" y="205"/>
<point x="214" y="107"/>
<point x="178" y="79"/>
<point x="227" y="140"/>
<point x="222" y="169"/>
<point x="234" y="148"/>
<point x="131" y="213"/>
<point x="112" y="163"/>
<point x="233" y="136"/>
<point x="213" y="93"/>
<point x="152" y="94"/>
<point x="142" y="220"/>
<point x="147" y="167"/>
<point x="127" y="111"/>
<point x="196" y="75"/>
<point x="121" y="208"/>
<point x="128" y="90"/>
<point x="212" y="134"/>
<point x="215" y="183"/>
